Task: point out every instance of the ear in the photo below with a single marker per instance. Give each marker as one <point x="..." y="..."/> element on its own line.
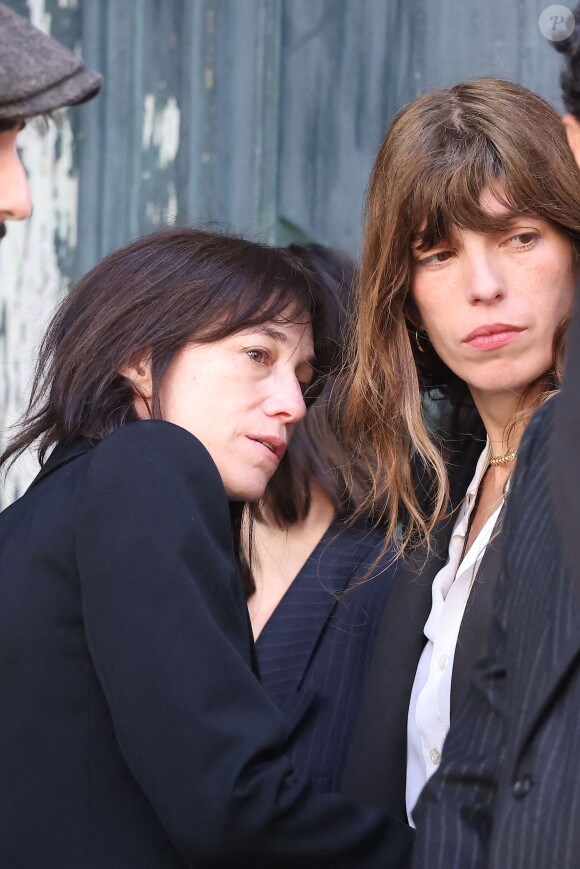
<point x="138" y="371"/>
<point x="572" y="127"/>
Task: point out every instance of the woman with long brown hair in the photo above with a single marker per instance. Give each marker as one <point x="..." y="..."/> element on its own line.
<point x="470" y="257"/>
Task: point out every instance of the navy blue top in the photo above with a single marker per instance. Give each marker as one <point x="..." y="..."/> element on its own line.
<point x="315" y="649"/>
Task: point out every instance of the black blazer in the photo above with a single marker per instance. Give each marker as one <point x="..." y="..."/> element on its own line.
<point x="315" y="649"/>
<point x="508" y="790"/>
<point x="376" y="765"/>
<point x="133" y="731"/>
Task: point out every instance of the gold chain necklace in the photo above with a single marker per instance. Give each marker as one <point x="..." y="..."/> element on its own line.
<point x="503" y="460"/>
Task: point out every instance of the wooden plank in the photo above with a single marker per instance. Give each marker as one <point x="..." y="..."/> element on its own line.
<point x="349" y="65"/>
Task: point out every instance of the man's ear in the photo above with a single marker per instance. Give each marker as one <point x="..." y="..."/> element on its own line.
<point x="138" y="372"/>
<point x="572" y="127"/>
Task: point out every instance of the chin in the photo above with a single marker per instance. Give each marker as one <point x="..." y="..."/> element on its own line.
<point x="246" y="491"/>
<point x="513" y="380"/>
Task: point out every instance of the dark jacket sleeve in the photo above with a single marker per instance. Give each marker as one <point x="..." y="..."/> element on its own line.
<point x="168" y="633"/>
<point x="455" y="811"/>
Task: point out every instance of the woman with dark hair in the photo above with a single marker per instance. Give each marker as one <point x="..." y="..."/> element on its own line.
<point x="470" y="257"/>
<point x="320" y="586"/>
<point x="134" y="732"/>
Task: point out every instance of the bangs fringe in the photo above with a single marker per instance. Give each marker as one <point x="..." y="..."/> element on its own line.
<point x="451" y="196"/>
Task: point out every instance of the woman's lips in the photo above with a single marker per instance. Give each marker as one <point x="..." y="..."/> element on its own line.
<point x="493" y="336"/>
<point x="273" y="447"/>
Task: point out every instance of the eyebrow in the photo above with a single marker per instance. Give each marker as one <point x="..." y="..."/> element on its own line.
<point x="272" y="333"/>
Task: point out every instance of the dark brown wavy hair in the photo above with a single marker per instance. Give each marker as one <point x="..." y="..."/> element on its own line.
<point x="439" y="155"/>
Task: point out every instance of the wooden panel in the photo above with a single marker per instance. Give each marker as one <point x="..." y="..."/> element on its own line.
<point x="186" y="129"/>
<point x="349" y="65"/>
<point x="229" y="154"/>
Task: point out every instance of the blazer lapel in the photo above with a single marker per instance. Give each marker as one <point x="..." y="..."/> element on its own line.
<point x="376" y="765"/>
<point x="472" y="639"/>
<point x="289" y="639"/>
<point x="375" y="769"/>
<point x="555" y="633"/>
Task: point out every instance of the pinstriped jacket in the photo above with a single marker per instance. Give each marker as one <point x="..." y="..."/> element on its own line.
<point x="508" y="790"/>
<point x="315" y="650"/>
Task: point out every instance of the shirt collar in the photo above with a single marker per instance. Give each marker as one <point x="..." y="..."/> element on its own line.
<point x="480" y="469"/>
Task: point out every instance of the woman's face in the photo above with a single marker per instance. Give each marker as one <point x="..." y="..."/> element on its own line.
<point x="241" y="397"/>
<point x="491" y="302"/>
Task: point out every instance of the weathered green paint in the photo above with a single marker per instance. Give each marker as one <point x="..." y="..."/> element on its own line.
<point x="349" y="65"/>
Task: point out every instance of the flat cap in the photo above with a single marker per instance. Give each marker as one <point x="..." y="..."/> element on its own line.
<point x="37" y="73"/>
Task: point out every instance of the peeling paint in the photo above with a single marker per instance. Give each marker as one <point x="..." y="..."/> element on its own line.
<point x="148" y="118"/>
<point x="166" y="133"/>
<point x="39" y="16"/>
<point x="31" y="283"/>
<point x="172" y="205"/>
<point x="161" y="129"/>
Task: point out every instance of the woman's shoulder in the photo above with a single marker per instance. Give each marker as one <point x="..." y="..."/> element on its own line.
<point x="155" y="438"/>
<point x="157" y="476"/>
<point x="147" y="449"/>
<point x="154" y="455"/>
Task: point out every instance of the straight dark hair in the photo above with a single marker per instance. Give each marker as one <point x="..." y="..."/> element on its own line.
<point x="157" y="294"/>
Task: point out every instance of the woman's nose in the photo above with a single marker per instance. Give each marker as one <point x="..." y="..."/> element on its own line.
<point x="286" y="399"/>
<point x="485" y="283"/>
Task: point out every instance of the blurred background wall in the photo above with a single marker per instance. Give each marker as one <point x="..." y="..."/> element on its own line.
<point x="262" y="116"/>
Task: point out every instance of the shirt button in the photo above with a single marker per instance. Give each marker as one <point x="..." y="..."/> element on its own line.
<point x="443" y="661"/>
<point x="522" y="786"/>
<point x="435" y="755"/>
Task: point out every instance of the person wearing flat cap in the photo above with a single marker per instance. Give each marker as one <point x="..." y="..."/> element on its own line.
<point x="37" y="76"/>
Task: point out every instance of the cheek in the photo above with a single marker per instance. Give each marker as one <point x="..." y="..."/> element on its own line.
<point x="430" y="301"/>
<point x="556" y="294"/>
<point x="434" y="316"/>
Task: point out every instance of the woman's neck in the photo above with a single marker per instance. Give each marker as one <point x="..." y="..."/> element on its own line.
<point x="504" y="416"/>
<point x="278" y="555"/>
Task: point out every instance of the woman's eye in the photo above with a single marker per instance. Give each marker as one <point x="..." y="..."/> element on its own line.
<point x="522" y="240"/>
<point x="260" y="356"/>
<point x="437" y="258"/>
